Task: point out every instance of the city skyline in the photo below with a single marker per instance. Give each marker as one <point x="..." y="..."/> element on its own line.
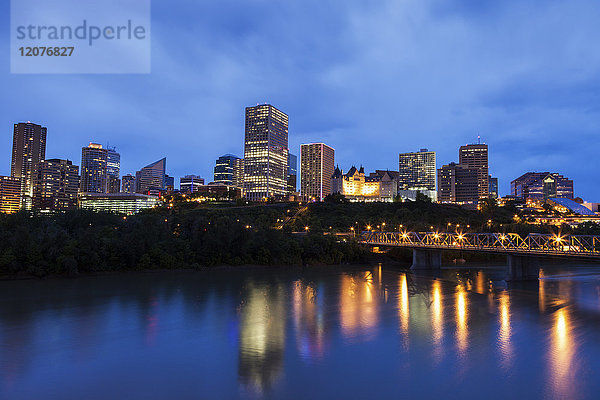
<point x="410" y="75"/>
<point x="464" y="151"/>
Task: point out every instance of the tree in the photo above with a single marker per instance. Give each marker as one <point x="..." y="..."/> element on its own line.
<point x="336" y="198"/>
<point x="422" y="198"/>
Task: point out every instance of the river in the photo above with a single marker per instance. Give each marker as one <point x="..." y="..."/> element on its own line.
<point x="303" y="333"/>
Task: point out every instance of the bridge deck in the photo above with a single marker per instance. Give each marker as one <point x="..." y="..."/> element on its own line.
<point x="587" y="247"/>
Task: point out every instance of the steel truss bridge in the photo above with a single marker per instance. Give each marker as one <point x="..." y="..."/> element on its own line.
<point x="509" y="243"/>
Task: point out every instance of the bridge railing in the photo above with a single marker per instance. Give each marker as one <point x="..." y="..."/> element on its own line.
<point x="544" y="243"/>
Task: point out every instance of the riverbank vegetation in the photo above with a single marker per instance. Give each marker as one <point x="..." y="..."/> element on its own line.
<point x="185" y="234"/>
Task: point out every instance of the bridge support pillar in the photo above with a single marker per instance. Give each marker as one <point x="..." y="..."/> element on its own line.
<point x="522" y="268"/>
<point x="426" y="259"/>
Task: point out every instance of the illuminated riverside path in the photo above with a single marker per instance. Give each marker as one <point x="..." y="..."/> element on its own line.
<point x="522" y="253"/>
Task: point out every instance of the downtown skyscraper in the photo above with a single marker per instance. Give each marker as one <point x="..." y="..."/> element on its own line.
<point x="475" y="156"/>
<point x="56" y="184"/>
<point x="317" y="164"/>
<point x="152" y="176"/>
<point x="29" y="149"/>
<point x="224" y="169"/>
<point x="94" y="172"/>
<point x="265" y="153"/>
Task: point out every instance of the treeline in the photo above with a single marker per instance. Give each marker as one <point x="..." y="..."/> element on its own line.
<point x="82" y="241"/>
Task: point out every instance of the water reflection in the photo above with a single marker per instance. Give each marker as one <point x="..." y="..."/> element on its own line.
<point x="308" y="317"/>
<point x="437" y="319"/>
<point x="358" y="304"/>
<point x="276" y="334"/>
<point x="262" y="335"/>
<point x="462" y="332"/>
<point x="504" y="331"/>
<point x="562" y="351"/>
<point x="403" y="307"/>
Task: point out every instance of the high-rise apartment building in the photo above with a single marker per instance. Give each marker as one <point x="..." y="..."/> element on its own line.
<point x="29" y="148"/>
<point x="10" y="194"/>
<point x="476" y="156"/>
<point x="128" y="184"/>
<point x="317" y="165"/>
<point x="94" y="171"/>
<point x="224" y="169"/>
<point x="55" y="186"/>
<point x="541" y="186"/>
<point x="416" y="171"/>
<point x="458" y="184"/>
<point x="190" y="183"/>
<point x="113" y="170"/>
<point x="152" y="176"/>
<point x="292" y="173"/>
<point x="265" y="153"/>
<point x="238" y="173"/>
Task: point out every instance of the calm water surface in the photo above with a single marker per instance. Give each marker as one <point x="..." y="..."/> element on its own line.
<point x="334" y="332"/>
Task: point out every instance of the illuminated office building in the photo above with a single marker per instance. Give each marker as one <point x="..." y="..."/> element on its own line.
<point x="55" y="185"/>
<point x="265" y="153"/>
<point x="224" y="169"/>
<point x="10" y="194"/>
<point x="121" y="203"/>
<point x="493" y="187"/>
<point x="29" y="148"/>
<point x="113" y="170"/>
<point x="316" y="168"/>
<point x="128" y="184"/>
<point x="238" y="173"/>
<point x="475" y="156"/>
<point x="541" y="186"/>
<point x="94" y="172"/>
<point x="417" y="170"/>
<point x="152" y="176"/>
<point x="458" y="184"/>
<point x="417" y="174"/>
<point x="292" y="173"/>
<point x="190" y="183"/>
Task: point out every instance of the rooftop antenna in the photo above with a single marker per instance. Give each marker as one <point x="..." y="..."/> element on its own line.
<point x="478" y="139"/>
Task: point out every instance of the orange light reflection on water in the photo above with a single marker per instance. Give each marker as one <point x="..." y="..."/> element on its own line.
<point x="462" y="328"/>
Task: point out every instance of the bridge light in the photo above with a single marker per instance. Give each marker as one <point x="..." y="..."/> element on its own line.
<point x="368" y="227"/>
<point x="502" y="237"/>
<point x="306" y="228"/>
<point x="436" y="235"/>
<point x="404" y="235"/>
<point x="460" y="237"/>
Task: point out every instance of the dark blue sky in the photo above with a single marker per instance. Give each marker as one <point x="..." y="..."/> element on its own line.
<point x="370" y="78"/>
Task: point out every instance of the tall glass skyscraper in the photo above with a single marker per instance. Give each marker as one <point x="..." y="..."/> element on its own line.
<point x="151" y="176"/>
<point x="94" y="175"/>
<point x="292" y="172"/>
<point x="113" y="170"/>
<point x="29" y="149"/>
<point x="224" y="169"/>
<point x="265" y="153"/>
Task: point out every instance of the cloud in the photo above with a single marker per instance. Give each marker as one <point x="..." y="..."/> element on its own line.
<point x="372" y="79"/>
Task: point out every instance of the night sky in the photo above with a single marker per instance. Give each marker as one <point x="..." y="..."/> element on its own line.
<point x="369" y="78"/>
